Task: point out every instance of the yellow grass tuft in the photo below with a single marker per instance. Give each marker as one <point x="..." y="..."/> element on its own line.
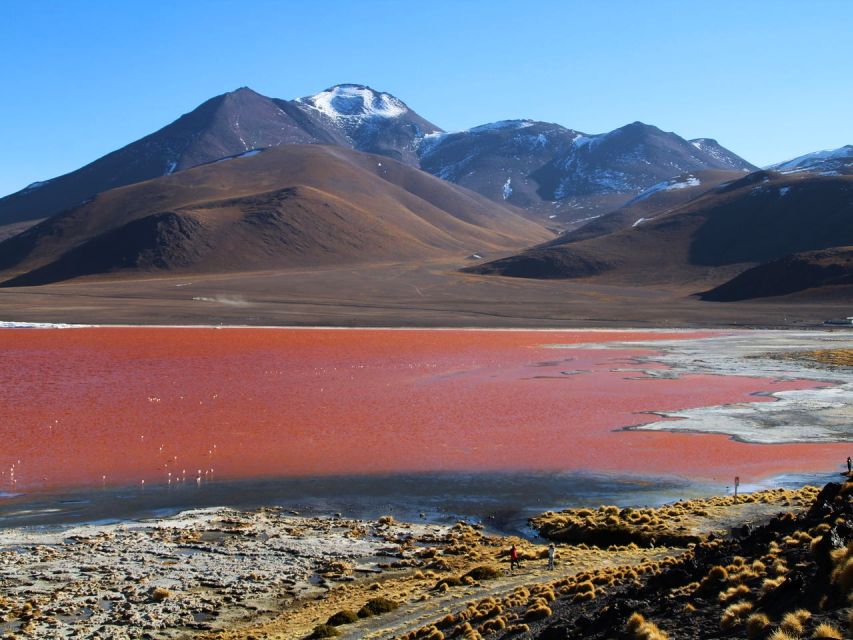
<point x="792" y="624"/>
<point x="756" y="624"/>
<point x="734" y="614"/>
<point x="827" y="632"/>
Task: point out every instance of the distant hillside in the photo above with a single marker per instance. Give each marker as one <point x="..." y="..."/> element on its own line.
<point x="790" y="274"/>
<point x="830" y="162"/>
<point x="758" y="218"/>
<point x="292" y="205"/>
<point x="565" y="175"/>
<point x="655" y="201"/>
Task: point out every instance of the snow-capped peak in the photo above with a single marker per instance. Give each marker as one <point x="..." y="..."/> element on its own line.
<point x="355" y="101"/>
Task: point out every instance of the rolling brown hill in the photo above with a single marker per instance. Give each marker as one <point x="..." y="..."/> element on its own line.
<point x="658" y="200"/>
<point x="758" y="218"/>
<point x="790" y="274"/>
<point x="292" y="205"/>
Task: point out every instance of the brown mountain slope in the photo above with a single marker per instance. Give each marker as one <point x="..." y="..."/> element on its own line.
<point x="797" y="272"/>
<point x="292" y="205"/>
<point x="655" y="201"/>
<point x="225" y="125"/>
<point x="760" y="217"/>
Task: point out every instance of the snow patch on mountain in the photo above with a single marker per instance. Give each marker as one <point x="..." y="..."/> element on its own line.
<point x="429" y="142"/>
<point x="814" y="161"/>
<point x="502" y="125"/>
<point x="668" y="185"/>
<point x="507" y="189"/>
<point x="245" y="154"/>
<point x="353" y="101"/>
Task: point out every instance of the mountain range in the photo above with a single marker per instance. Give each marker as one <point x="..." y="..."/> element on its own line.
<point x="555" y="174"/>
<point x="350" y="175"/>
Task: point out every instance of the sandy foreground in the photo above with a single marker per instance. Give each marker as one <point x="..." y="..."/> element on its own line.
<point x="222" y="573"/>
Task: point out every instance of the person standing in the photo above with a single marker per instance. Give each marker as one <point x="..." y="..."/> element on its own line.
<point x="552" y="551"/>
<point x="513" y="558"/>
<point x="849" y="465"/>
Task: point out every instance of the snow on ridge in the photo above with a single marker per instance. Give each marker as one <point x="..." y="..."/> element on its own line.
<point x="35" y="185"/>
<point x="667" y="185"/>
<point x="584" y="141"/>
<point x="429" y="141"/>
<point x="807" y="161"/>
<point x="350" y="101"/>
<point x="501" y="125"/>
<point x="507" y="188"/>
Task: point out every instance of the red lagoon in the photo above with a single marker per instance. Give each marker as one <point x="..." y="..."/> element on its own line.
<point x="94" y="406"/>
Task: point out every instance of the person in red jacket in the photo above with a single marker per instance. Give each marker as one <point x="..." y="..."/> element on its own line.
<point x="513" y="558"/>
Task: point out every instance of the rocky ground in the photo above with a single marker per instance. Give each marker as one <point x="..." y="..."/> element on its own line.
<point x="221" y="574"/>
<point x="173" y="577"/>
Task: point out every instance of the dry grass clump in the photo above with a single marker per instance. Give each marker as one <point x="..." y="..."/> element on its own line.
<point x="734" y="614"/>
<point x="718" y="574"/>
<point x="377" y="606"/>
<point x="642" y="629"/>
<point x="324" y="631"/>
<point x="842" y="574"/>
<point x="793" y="622"/>
<point x="537" y="611"/>
<point x="832" y="357"/>
<point x="158" y="594"/>
<point x="733" y="592"/>
<point x="827" y="632"/>
<point x="772" y="583"/>
<point x="781" y="634"/>
<point x="344" y="616"/>
<point x="756" y="625"/>
<point x="484" y="572"/>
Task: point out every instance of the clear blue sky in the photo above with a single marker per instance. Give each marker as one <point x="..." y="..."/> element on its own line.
<point x="768" y="79"/>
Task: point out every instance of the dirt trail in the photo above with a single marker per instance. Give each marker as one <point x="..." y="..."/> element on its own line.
<point x="415" y="615"/>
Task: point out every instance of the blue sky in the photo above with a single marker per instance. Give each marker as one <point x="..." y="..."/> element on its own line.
<point x="768" y="79"/>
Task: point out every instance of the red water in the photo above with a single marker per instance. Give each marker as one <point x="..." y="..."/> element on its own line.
<point x="123" y="405"/>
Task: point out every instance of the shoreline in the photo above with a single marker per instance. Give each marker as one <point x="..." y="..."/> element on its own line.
<point x="500" y="501"/>
<point x="222" y="571"/>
